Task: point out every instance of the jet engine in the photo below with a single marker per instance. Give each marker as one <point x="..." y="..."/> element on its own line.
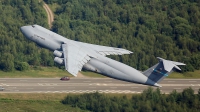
<point x="58" y="53"/>
<point x="59" y="60"/>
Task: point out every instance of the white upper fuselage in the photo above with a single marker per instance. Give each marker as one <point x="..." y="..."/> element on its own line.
<point x="52" y="41"/>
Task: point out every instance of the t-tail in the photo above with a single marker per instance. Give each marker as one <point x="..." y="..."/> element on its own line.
<point x="161" y="70"/>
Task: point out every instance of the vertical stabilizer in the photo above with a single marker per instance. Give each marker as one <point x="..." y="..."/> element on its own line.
<point x="162" y="69"/>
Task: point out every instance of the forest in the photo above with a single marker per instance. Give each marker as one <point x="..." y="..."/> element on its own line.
<point x="150" y="28"/>
<point x="149" y="101"/>
<point x="16" y="52"/>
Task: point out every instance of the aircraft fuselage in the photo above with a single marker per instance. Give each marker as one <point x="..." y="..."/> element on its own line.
<point x="100" y="64"/>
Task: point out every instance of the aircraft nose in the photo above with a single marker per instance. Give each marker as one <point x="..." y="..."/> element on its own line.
<point x="26" y="31"/>
<point x="22" y="29"/>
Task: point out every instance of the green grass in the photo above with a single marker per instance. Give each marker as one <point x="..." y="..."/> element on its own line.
<point x="186" y="75"/>
<point x="39" y="102"/>
<point x="36" y="72"/>
<point x="47" y="72"/>
<point x="34" y="103"/>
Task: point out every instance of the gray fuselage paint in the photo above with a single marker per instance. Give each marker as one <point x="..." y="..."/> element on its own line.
<point x="98" y="63"/>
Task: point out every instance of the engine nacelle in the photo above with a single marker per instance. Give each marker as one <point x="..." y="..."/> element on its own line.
<point x="59" y="60"/>
<point x="58" y="53"/>
<point x="89" y="67"/>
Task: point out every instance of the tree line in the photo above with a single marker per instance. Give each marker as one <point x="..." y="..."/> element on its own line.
<point x="149" y="101"/>
<point x="150" y="28"/>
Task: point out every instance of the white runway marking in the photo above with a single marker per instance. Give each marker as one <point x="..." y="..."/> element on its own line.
<point x="47" y="84"/>
<point x="99" y="84"/>
<point x="56" y="92"/>
<point x="2" y="84"/>
<point x="40" y="84"/>
<point x="192" y="85"/>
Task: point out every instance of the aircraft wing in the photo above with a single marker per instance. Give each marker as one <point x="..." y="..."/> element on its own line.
<point x="104" y="50"/>
<point x="74" y="58"/>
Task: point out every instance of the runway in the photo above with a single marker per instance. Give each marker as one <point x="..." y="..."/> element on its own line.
<point x="89" y="85"/>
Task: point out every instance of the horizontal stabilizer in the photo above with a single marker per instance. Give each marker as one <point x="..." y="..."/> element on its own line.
<point x="169" y="65"/>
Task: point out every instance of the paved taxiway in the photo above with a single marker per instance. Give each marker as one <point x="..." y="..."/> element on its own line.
<point x="87" y="85"/>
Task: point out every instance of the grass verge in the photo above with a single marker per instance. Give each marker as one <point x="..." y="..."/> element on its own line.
<point x="39" y="102"/>
<point x="48" y="72"/>
<point x="36" y="72"/>
<point x="186" y="75"/>
<point x="34" y="103"/>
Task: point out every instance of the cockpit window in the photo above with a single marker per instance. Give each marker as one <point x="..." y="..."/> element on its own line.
<point x="33" y="26"/>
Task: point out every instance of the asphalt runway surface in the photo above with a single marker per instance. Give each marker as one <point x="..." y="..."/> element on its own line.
<point x="89" y="85"/>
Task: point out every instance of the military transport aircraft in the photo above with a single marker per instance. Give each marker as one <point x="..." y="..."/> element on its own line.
<point x="76" y="55"/>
